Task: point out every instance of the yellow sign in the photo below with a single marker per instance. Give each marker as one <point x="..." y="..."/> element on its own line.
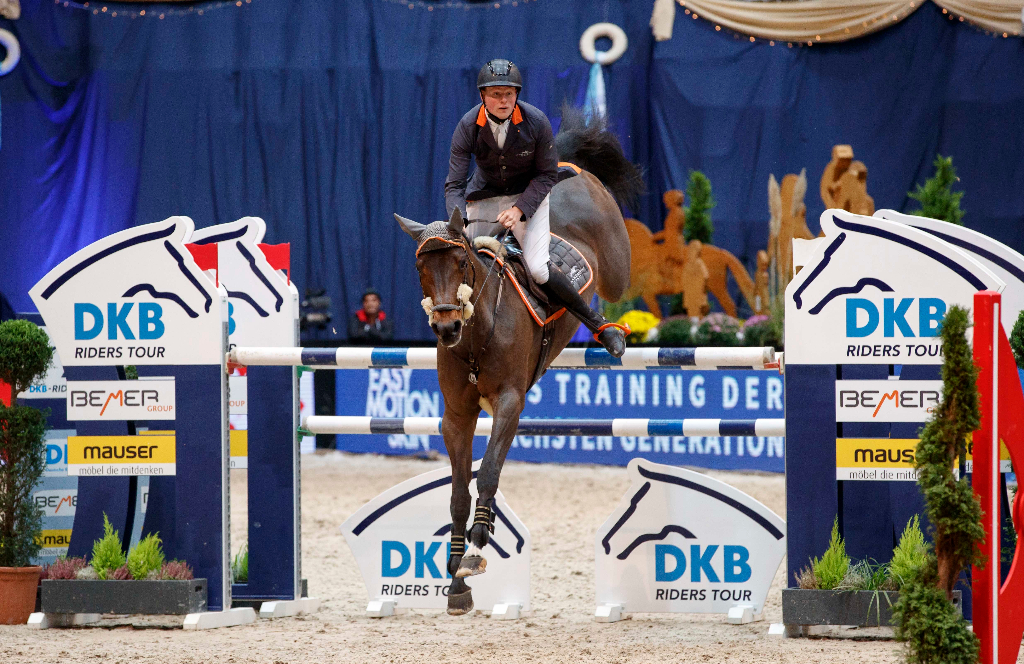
<point x="239" y="439"/>
<point x="151" y="454"/>
<point x="54" y="539"/>
<point x="890" y="459"/>
<point x="876" y="459"/>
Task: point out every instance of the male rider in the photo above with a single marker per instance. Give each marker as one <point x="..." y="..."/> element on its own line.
<point x="516" y="167"/>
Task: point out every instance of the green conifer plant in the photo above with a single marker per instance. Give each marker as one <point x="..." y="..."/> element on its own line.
<point x="1017" y="340"/>
<point x="698" y="214"/>
<point x="933" y="629"/>
<point x="937" y="198"/>
<point x="146" y="556"/>
<point x="831" y="568"/>
<point x="107" y="553"/>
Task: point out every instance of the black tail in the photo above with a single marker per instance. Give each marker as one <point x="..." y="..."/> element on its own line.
<point x="589" y="145"/>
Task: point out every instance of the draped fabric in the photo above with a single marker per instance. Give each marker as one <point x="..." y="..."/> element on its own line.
<point x="818" y="21"/>
<point x="324" y="118"/>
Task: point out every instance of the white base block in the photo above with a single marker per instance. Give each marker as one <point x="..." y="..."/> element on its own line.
<point x="214" y="619"/>
<point x="743" y="614"/>
<point x="293" y="607"/>
<point x="776" y="629"/>
<point x="506" y="611"/>
<point x="48" y="620"/>
<point x="608" y="613"/>
<point x="380" y="608"/>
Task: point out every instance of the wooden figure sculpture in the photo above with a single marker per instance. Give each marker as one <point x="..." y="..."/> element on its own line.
<point x="788" y="221"/>
<point x="762" y="299"/>
<point x="695" y="282"/>
<point x="844" y="184"/>
<point x="658" y="260"/>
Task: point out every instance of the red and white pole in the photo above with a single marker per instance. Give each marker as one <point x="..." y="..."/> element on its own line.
<point x="986" y="483"/>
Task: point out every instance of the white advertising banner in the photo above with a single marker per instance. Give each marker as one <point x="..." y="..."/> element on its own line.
<point x="263" y="306"/>
<point x="136" y="297"/>
<point x="875" y="292"/>
<point x="1003" y="261"/>
<point x="401" y="541"/>
<point x="121" y="400"/>
<point x="238" y="400"/>
<point x="886" y="400"/>
<point x="680" y="541"/>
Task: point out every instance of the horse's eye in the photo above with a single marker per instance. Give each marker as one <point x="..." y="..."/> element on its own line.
<point x="462" y="264"/>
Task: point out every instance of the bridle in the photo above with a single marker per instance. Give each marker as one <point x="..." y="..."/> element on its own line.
<point x="474" y="361"/>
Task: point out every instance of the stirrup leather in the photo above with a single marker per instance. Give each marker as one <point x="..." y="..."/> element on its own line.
<point x="484" y="515"/>
<point x="625" y="330"/>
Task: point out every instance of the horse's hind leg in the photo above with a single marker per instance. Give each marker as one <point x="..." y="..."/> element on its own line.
<point x="507" y="409"/>
<point x="458" y="439"/>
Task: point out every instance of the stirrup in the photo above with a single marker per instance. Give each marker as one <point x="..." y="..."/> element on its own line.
<point x="625" y="330"/>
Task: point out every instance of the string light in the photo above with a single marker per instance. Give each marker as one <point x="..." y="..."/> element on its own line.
<point x="459" y="4"/>
<point x="198" y="9"/>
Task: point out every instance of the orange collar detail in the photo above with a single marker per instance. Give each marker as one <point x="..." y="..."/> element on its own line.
<point x="481" y="117"/>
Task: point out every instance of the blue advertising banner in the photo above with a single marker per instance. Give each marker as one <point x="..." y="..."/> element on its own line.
<point x="593" y="394"/>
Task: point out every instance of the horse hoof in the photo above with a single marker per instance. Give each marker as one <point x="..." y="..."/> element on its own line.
<point x="471" y="566"/>
<point x="460" y="604"/>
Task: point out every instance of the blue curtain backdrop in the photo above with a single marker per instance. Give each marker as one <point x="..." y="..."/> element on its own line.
<point x="325" y="117"/>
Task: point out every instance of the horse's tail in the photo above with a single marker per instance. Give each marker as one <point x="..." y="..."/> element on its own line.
<point x="588" y="144"/>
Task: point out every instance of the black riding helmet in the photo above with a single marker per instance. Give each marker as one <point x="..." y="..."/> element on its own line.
<point x="499" y="72"/>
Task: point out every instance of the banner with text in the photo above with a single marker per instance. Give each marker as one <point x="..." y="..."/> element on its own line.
<point x="591" y="395"/>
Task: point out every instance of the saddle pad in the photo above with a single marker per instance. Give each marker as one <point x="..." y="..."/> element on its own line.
<point x="566" y="257"/>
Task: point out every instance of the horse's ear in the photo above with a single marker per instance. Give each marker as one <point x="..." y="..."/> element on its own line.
<point x="413" y="228"/>
<point x="455" y="223"/>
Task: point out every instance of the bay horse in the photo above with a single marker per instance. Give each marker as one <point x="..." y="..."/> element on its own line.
<point x="488" y="361"/>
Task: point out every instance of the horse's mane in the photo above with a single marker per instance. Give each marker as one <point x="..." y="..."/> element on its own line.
<point x="589" y="144"/>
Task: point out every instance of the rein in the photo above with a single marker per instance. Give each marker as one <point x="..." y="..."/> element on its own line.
<point x="474" y="361"/>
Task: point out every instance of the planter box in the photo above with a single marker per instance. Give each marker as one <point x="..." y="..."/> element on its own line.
<point x="863" y="608"/>
<point x="129" y="597"/>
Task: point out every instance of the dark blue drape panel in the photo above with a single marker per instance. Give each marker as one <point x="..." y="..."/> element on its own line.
<point x="739" y="111"/>
<point x="326" y="117"/>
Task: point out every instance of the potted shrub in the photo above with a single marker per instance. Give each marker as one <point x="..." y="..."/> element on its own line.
<point x="25" y="354"/>
<point x="112" y="582"/>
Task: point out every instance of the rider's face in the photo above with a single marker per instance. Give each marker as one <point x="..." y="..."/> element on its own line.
<point x="500" y="100"/>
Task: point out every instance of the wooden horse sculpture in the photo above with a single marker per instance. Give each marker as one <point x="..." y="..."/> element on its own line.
<point x="487" y="359"/>
<point x="659" y="262"/>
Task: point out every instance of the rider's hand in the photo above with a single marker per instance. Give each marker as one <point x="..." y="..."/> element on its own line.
<point x="509" y="217"/>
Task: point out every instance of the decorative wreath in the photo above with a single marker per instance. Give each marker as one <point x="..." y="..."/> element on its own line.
<point x="589" y="39"/>
<point x="10" y="42"/>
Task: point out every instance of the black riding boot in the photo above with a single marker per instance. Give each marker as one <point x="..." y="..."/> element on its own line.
<point x="561" y="289"/>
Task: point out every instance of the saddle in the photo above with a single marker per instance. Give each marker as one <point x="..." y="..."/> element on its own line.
<point x="567" y="257"/>
<point x="563" y="254"/>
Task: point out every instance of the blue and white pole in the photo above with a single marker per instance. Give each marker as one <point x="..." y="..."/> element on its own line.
<point x="431" y="426"/>
<point x="571" y="358"/>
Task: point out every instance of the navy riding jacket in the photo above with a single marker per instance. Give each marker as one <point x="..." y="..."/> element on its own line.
<point x="527" y="166"/>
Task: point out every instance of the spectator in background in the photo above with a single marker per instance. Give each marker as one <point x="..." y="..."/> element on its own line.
<point x="370" y="324"/>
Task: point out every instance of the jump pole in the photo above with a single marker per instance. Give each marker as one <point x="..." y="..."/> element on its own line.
<point x="431" y="426"/>
<point x="570" y="358"/>
<point x="998" y="611"/>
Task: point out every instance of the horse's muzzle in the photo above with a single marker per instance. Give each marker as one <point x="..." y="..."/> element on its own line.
<point x="449" y="331"/>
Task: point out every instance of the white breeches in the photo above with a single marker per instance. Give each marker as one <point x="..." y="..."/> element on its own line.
<point x="534" y="234"/>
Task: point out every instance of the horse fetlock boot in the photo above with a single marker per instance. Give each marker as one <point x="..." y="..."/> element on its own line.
<point x="473" y="562"/>
<point x="609" y="335"/>
<point x="460" y="598"/>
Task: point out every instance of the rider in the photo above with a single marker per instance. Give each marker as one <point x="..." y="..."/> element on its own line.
<point x="516" y="167"/>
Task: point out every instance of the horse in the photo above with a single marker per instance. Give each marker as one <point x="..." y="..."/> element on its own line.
<point x="489" y="347"/>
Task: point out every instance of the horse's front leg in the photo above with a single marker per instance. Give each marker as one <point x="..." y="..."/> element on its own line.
<point x="458" y="439"/>
<point x="508" y="406"/>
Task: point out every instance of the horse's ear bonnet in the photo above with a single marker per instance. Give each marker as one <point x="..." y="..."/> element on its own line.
<point x="436" y="235"/>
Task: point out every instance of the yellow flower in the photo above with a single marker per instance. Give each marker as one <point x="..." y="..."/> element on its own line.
<point x="640" y="322"/>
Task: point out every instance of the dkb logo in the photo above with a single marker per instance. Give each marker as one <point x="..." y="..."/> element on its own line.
<point x="930" y="311"/>
<point x="89" y="321"/>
